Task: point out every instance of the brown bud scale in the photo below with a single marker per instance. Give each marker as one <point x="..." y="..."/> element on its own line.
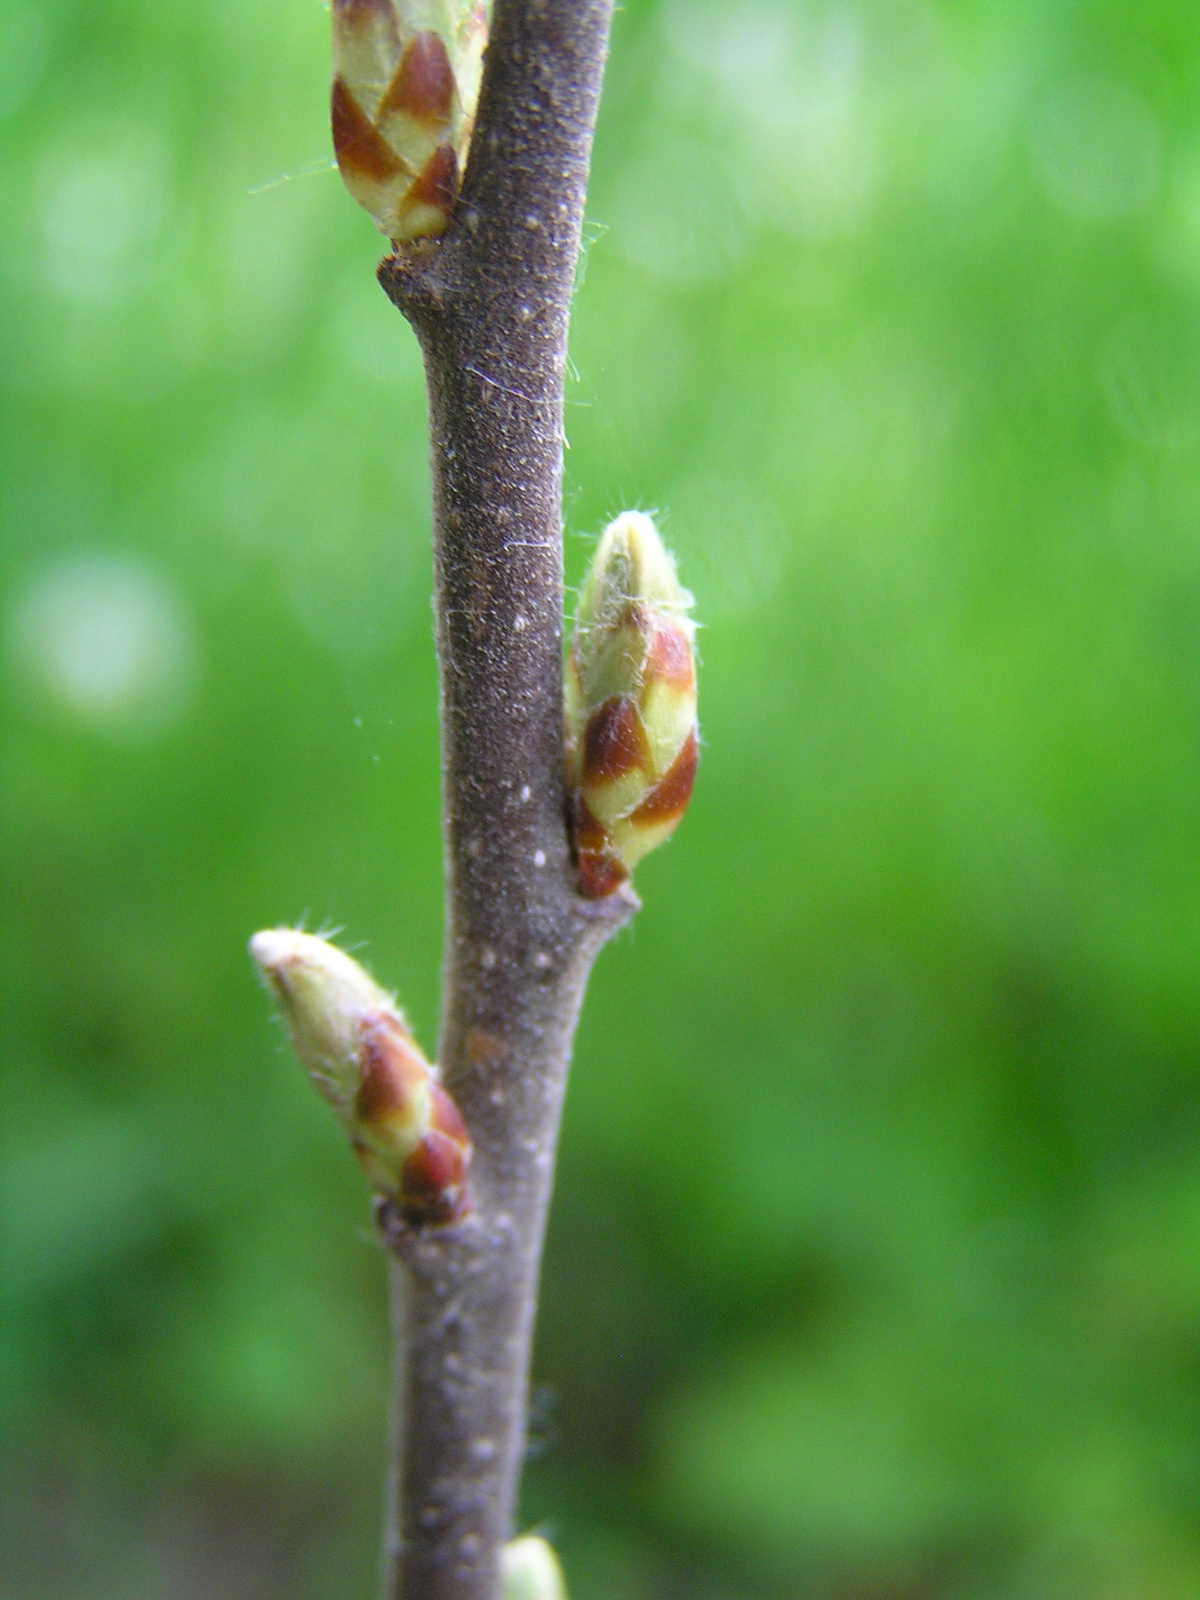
<point x="438" y="183"/>
<point x="599" y="875"/>
<point x="433" y="1178"/>
<point x="423" y="87"/>
<point x="667" y="801"/>
<point x="389" y="1067"/>
<point x="600" y="869"/>
<point x="356" y="12"/>
<point x="360" y="150"/>
<point x="614" y="741"/>
<point x="669" y="658"/>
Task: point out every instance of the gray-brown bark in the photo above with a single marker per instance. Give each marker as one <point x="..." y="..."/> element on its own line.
<point x="490" y="306"/>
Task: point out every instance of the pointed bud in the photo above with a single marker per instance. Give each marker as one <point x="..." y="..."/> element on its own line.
<point x="630" y="704"/>
<point x="357" y="1048"/>
<point x="529" y="1570"/>
<point x="406" y="77"/>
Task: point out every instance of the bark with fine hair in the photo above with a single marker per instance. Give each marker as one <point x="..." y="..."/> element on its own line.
<point x="490" y="305"/>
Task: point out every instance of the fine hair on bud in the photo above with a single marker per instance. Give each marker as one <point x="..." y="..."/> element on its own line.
<point x="406" y="76"/>
<point x="356" y="1046"/>
<point x="630" y="698"/>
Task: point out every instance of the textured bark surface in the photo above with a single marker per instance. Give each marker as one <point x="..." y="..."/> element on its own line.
<point x="490" y="305"/>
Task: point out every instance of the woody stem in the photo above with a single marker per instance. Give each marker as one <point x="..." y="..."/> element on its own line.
<point x="490" y="306"/>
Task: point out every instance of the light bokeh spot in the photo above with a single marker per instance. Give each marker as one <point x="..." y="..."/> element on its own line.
<point x="106" y="640"/>
<point x="1098" y="149"/>
<point x="783" y="90"/>
<point x="108" y="189"/>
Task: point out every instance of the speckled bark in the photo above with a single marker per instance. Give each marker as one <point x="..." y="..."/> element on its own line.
<point x="490" y="305"/>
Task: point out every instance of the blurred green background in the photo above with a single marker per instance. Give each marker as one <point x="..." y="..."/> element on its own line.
<point x="874" y="1271"/>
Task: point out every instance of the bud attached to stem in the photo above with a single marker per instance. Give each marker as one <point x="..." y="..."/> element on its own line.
<point x="353" y="1040"/>
<point x="529" y="1570"/>
<point x="406" y="77"/>
<point x="630" y="704"/>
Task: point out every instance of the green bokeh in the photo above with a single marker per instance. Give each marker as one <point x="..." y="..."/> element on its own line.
<point x="875" y="1263"/>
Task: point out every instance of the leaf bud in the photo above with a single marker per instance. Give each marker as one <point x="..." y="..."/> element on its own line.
<point x="406" y="76"/>
<point x="354" y="1042"/>
<point x="630" y="701"/>
<point x="529" y="1570"/>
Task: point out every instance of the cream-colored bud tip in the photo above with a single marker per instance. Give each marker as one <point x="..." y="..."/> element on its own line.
<point x="324" y="995"/>
<point x="286" y="957"/>
<point x="273" y="947"/>
<point x="632" y="563"/>
<point x="529" y="1570"/>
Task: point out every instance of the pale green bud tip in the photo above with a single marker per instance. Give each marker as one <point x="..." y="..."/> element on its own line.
<point x="324" y="996"/>
<point x="529" y="1570"/>
<point x="631" y="565"/>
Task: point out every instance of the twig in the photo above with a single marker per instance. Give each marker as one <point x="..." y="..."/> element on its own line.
<point x="490" y="306"/>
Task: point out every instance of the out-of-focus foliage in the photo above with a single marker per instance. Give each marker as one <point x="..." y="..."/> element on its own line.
<point x="875" y="1266"/>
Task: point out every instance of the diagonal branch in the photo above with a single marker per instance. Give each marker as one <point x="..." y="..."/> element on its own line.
<point x="490" y="305"/>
